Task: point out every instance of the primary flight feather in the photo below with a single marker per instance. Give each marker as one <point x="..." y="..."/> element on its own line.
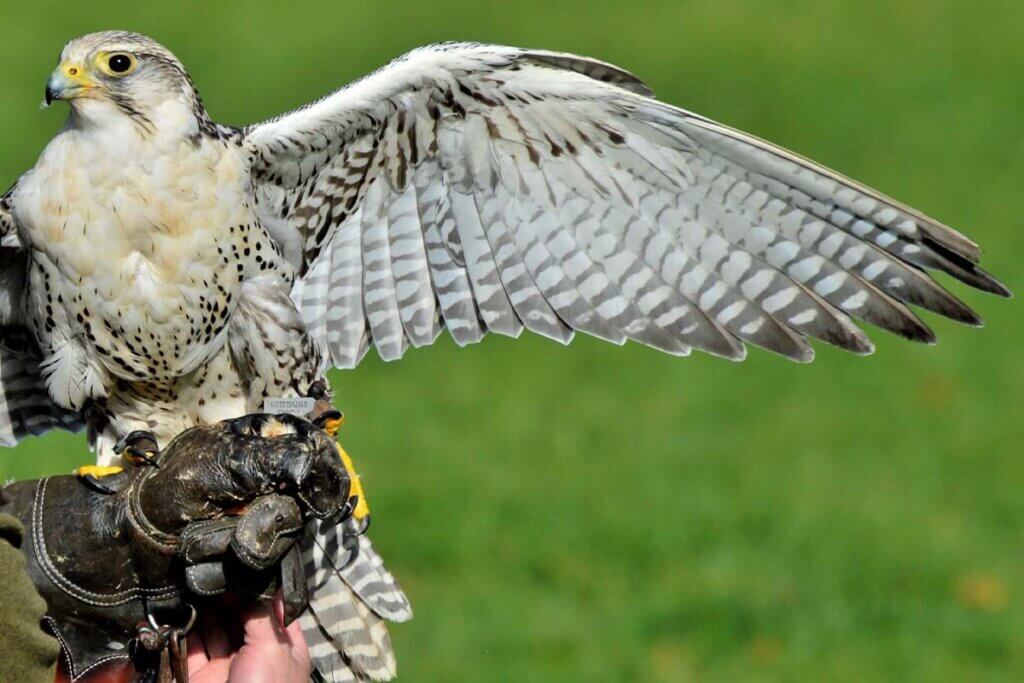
<point x="160" y="270"/>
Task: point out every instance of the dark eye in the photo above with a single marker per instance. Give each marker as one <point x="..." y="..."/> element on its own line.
<point x="119" y="64"/>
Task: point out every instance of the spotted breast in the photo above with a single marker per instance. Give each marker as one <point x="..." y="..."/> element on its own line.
<point x="140" y="246"/>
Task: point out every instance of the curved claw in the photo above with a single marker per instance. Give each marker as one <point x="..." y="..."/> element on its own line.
<point x="350" y="541"/>
<point x="247" y="425"/>
<point x="91" y="475"/>
<point x="139" y="448"/>
<point x="347" y="509"/>
<point x="286" y="421"/>
<point x="364" y="525"/>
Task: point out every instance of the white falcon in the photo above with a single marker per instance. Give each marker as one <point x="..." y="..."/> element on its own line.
<point x="160" y="270"/>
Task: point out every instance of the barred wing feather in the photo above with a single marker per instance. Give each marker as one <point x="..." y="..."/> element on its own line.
<point x="491" y="189"/>
<point x="26" y="407"/>
<point x="480" y="189"/>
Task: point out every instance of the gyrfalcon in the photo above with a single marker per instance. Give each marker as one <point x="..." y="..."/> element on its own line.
<point x="160" y="270"/>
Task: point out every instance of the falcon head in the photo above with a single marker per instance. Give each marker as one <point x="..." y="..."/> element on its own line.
<point x="113" y="74"/>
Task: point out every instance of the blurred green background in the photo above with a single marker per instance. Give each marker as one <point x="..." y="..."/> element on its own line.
<point x="595" y="513"/>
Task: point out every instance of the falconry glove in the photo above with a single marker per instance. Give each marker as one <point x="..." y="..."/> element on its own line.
<point x="123" y="566"/>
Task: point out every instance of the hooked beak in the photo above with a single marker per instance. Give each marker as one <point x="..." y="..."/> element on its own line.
<point x="67" y="82"/>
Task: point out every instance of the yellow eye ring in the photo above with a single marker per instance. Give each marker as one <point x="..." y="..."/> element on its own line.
<point x="117" y="64"/>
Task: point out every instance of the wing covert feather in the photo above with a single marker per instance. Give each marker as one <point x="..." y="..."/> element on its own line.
<point x="492" y="189"/>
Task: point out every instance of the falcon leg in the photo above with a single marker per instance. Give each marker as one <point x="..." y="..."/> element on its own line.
<point x="330" y="421"/>
<point x="98" y="420"/>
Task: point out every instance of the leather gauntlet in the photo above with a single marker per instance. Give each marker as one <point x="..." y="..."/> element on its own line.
<point x="121" y="566"/>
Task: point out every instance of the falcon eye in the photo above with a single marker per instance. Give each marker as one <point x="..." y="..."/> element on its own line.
<point x="120" y="63"/>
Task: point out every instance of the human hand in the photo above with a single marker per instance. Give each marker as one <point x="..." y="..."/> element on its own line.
<point x="251" y="647"/>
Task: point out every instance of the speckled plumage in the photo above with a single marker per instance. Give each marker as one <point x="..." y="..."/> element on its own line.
<point x="142" y="237"/>
<point x="140" y="254"/>
<point x="470" y="187"/>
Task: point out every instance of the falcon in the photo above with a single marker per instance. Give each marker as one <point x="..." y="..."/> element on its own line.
<point x="161" y="270"/>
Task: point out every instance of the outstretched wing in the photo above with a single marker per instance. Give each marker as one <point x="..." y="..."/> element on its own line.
<point x="492" y="189"/>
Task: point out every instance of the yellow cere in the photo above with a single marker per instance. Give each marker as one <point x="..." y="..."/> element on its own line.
<point x="76" y="74"/>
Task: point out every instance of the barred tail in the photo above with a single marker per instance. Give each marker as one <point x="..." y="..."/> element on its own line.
<point x="351" y="594"/>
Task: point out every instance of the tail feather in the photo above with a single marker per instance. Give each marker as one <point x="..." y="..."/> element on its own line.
<point x="357" y="639"/>
<point x="328" y="663"/>
<point x="351" y="594"/>
<point x="375" y="585"/>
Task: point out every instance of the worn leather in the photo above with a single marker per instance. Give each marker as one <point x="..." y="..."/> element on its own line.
<point x="224" y="509"/>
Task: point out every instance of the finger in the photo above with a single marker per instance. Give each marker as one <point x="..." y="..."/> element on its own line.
<point x="292" y="633"/>
<point x="298" y="647"/>
<point x="261" y="627"/>
<point x="278" y="606"/>
<point x="297" y="639"/>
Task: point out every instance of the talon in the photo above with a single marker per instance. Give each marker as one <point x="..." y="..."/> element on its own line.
<point x="330" y="421"/>
<point x="97" y="470"/>
<point x="349" y="509"/>
<point x="139" y="448"/>
<point x="91" y="475"/>
<point x="319" y="390"/>
<point x="350" y="542"/>
<point x="361" y="509"/>
<point x="137" y="457"/>
<point x="246" y="425"/>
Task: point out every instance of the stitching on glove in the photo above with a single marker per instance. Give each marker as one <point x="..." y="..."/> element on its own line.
<point x="69" y="587"/>
<point x="65" y="652"/>
<point x="250" y="558"/>
<point x="147" y="534"/>
<point x="200" y="591"/>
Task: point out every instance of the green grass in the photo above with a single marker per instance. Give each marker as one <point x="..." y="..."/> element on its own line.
<point x="595" y="513"/>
